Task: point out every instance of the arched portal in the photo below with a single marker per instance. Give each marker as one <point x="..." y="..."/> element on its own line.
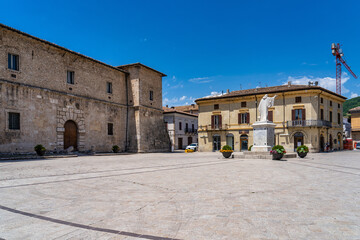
<point x="322" y="143"/>
<point x="230" y="140"/>
<point x="298" y="140"/>
<point x="244" y="142"/>
<point x="70" y="135"/>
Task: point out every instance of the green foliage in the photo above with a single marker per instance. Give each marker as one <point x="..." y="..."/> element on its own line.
<point x="226" y="147"/>
<point x="349" y="104"/>
<point x="302" y="149"/>
<point x="250" y="147"/>
<point x="115" y="148"/>
<point x="278" y="149"/>
<point x="39" y="148"/>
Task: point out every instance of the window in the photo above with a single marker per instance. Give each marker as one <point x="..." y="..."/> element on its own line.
<point x="216" y="121"/>
<point x="297" y="99"/>
<point x="180" y="125"/>
<point x="243" y="104"/>
<point x="330" y="113"/>
<point x="321" y="100"/>
<point x="109" y="87"/>
<point x="298" y="114"/>
<point x="70" y="77"/>
<point x="151" y="95"/>
<point x="193" y="128"/>
<point x="322" y="114"/>
<point x="216" y="106"/>
<point x="14" y="121"/>
<point x="186" y="127"/>
<point x="339" y="116"/>
<point x="338" y="105"/>
<point x="13" y="62"/>
<point x="330" y="103"/>
<point x="270" y="116"/>
<point x="243" y="118"/>
<point x="110" y="129"/>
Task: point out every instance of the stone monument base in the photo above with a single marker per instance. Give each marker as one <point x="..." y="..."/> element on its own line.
<point x="263" y="136"/>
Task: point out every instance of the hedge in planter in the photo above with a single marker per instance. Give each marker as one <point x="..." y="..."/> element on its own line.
<point x="115" y="148"/>
<point x="277" y="152"/>
<point x="302" y="151"/>
<point x="226" y="151"/>
<point x="40" y="150"/>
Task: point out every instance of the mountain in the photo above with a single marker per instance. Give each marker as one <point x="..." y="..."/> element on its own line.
<point x="350" y="103"/>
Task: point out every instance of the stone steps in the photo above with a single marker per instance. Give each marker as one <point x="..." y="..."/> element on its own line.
<point x="260" y="155"/>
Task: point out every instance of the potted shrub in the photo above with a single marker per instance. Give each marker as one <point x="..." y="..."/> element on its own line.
<point x="277" y="152"/>
<point x="40" y="150"/>
<point x="115" y="148"/>
<point x="302" y="151"/>
<point x="226" y="151"/>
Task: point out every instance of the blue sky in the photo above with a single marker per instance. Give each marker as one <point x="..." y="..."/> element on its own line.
<point x="204" y="46"/>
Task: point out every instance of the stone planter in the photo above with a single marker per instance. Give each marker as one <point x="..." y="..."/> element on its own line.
<point x="40" y="152"/>
<point x="277" y="156"/>
<point x="302" y="155"/>
<point x="226" y="154"/>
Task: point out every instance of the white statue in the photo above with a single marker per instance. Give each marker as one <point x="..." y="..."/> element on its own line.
<point x="265" y="103"/>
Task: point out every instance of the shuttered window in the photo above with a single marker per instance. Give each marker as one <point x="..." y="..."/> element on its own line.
<point x="216" y="121"/>
<point x="14" y="121"/>
<point x="270" y="116"/>
<point x="243" y="118"/>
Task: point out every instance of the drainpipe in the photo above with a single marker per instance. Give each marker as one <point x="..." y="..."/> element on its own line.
<point x="256" y="107"/>
<point x="127" y="112"/>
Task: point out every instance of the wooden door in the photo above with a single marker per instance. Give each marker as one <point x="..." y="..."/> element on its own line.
<point x="70" y="135"/>
<point x="180" y="144"/>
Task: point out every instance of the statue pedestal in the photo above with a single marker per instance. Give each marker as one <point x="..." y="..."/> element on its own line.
<point x="263" y="136"/>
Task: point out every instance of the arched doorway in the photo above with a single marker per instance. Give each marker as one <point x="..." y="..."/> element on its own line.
<point x="244" y="142"/>
<point x="216" y="142"/>
<point x="190" y="140"/>
<point x="322" y="143"/>
<point x="70" y="135"/>
<point x="230" y="140"/>
<point x="298" y="140"/>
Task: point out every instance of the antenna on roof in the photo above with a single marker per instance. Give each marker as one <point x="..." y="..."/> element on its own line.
<point x="240" y="87"/>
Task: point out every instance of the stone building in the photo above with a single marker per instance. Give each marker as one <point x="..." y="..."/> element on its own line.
<point x="355" y="123"/>
<point x="303" y="114"/>
<point x="53" y="96"/>
<point x="181" y="126"/>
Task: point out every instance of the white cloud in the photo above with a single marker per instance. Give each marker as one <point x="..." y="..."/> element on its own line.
<point x="182" y="98"/>
<point x="326" y="82"/>
<point x="200" y="80"/>
<point x="354" y="95"/>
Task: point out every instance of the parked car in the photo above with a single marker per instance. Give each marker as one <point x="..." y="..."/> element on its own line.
<point x="193" y="146"/>
<point x="358" y="145"/>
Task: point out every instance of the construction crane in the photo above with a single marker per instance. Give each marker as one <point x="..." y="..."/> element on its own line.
<point x="338" y="53"/>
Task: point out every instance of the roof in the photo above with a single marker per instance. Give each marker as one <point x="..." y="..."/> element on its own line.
<point x="59" y="47"/>
<point x="140" y="64"/>
<point x="173" y="110"/>
<point x="266" y="90"/>
<point x="187" y="108"/>
<point x="355" y="109"/>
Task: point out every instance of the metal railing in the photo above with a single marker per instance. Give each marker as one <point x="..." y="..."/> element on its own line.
<point x="190" y="130"/>
<point x="309" y="123"/>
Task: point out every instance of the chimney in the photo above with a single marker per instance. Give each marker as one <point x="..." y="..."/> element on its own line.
<point x="167" y="106"/>
<point x="316" y="83"/>
<point x="172" y="107"/>
<point x="289" y="83"/>
<point x="192" y="105"/>
<point x="228" y="91"/>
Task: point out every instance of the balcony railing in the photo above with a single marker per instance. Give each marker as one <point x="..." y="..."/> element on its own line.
<point x="190" y="130"/>
<point x="214" y="127"/>
<point x="309" y="123"/>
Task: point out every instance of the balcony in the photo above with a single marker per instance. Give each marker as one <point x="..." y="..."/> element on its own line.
<point x="309" y="123"/>
<point x="213" y="128"/>
<point x="190" y="131"/>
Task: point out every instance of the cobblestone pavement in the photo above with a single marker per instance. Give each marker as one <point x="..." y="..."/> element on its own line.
<point x="181" y="196"/>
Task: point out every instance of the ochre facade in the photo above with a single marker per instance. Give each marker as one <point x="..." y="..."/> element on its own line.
<point x="307" y="127"/>
<point x="109" y="105"/>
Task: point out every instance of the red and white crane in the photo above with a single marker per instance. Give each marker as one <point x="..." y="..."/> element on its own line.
<point x="338" y="53"/>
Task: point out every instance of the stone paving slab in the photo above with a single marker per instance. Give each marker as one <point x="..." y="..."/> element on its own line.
<point x="181" y="196"/>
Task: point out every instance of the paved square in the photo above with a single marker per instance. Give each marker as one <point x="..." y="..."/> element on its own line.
<point x="181" y="196"/>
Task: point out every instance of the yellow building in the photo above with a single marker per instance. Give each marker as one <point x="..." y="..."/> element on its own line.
<point x="303" y="114"/>
<point x="355" y="123"/>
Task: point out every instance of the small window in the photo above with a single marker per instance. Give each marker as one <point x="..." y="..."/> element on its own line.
<point x="321" y="100"/>
<point x="151" y="95"/>
<point x="216" y="106"/>
<point x="322" y="114"/>
<point x="330" y="113"/>
<point x="110" y="129"/>
<point x="330" y="103"/>
<point x="14" y="121"/>
<point x="109" y="87"/>
<point x="180" y="125"/>
<point x="186" y="126"/>
<point x="297" y="99"/>
<point x="338" y="105"/>
<point x="338" y="118"/>
<point x="70" y="77"/>
<point x="243" y="104"/>
<point x="13" y="62"/>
